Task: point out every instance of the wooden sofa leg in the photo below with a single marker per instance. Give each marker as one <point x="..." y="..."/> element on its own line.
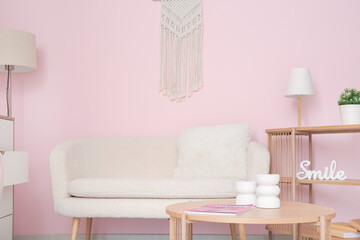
<point x="242" y="232"/>
<point x="75" y="228"/>
<point x="233" y="231"/>
<point x="88" y="228"/>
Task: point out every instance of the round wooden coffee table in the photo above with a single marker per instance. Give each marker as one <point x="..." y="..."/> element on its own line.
<point x="289" y="213"/>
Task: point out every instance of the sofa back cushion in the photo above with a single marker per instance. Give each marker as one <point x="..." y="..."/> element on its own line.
<point x="213" y="152"/>
<point x="122" y="156"/>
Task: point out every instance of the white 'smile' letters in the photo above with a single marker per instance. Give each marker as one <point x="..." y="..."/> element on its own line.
<point x="328" y="174"/>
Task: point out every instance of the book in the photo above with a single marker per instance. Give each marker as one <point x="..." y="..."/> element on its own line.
<point x="344" y="234"/>
<point x="343" y="226"/>
<point x="355" y="223"/>
<point x="220" y="209"/>
<point x="339" y="238"/>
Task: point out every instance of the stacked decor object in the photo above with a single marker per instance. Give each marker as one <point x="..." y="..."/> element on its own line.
<point x="245" y="192"/>
<point x="267" y="191"/>
<point x="355" y="223"/>
<point x="344" y="230"/>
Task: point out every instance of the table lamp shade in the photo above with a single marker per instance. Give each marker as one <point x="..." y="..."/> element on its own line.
<point x="17" y="48"/>
<point x="300" y="83"/>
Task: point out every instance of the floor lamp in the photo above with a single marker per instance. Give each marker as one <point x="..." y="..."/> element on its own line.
<point x="299" y="85"/>
<point x="17" y="55"/>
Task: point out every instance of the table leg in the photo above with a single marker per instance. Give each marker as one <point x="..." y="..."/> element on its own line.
<point x="300" y="231"/>
<point x="233" y="231"/>
<point x="295" y="231"/>
<point x="242" y="231"/>
<point x="325" y="228"/>
<point x="183" y="227"/>
<point x="173" y="227"/>
<point x="190" y="231"/>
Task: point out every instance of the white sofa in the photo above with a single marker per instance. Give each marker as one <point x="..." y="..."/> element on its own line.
<point x="134" y="177"/>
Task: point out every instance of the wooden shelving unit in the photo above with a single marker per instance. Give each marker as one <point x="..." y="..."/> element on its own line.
<point x="289" y="140"/>
<point x="288" y="147"/>
<point x="318" y="129"/>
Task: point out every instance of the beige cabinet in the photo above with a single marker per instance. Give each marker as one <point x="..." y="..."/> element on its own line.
<point x="6" y="200"/>
<point x="15" y="171"/>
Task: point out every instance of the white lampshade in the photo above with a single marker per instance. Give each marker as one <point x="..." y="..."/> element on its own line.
<point x="17" y="48"/>
<point x="300" y="83"/>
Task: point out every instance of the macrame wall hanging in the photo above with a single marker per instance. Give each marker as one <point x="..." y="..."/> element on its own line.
<point x="181" y="48"/>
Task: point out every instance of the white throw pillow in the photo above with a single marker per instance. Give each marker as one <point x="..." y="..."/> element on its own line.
<point x="213" y="152"/>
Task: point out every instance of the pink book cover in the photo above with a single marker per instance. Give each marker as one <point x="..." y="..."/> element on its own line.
<point x="220" y="209"/>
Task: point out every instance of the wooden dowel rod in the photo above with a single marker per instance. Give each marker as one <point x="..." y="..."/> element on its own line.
<point x="299" y="111"/>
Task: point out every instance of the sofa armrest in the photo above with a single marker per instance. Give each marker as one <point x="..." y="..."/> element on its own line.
<point x="59" y="174"/>
<point x="258" y="160"/>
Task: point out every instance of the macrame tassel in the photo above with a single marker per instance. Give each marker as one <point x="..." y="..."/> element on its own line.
<point x="183" y="67"/>
<point x="181" y="48"/>
<point x="162" y="83"/>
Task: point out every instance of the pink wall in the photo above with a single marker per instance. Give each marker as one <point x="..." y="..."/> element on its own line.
<point x="98" y="70"/>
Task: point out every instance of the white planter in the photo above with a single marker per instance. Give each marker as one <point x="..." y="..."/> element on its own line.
<point x="350" y="114"/>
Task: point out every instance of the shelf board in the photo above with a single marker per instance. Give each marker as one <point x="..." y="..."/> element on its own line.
<point x="350" y="182"/>
<point x="279" y="130"/>
<point x="319" y="129"/>
<point x="329" y="129"/>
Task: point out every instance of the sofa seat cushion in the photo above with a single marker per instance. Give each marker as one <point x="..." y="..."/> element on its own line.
<point x="169" y="188"/>
<point x="116" y="208"/>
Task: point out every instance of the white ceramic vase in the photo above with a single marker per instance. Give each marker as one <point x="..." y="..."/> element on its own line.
<point x="350" y="114"/>
<point x="245" y="192"/>
<point x="267" y="191"/>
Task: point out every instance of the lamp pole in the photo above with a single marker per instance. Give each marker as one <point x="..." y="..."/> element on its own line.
<point x="9" y="68"/>
<point x="299" y="111"/>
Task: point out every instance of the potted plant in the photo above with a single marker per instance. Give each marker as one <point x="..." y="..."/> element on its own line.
<point x="349" y="103"/>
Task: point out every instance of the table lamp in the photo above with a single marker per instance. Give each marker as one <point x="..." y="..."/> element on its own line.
<point x="18" y="55"/>
<point x="299" y="84"/>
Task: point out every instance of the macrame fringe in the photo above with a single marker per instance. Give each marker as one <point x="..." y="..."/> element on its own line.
<point x="181" y="63"/>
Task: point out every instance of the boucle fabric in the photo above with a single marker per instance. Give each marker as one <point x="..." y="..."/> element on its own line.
<point x="115" y="208"/>
<point x="258" y="160"/>
<point x="152" y="188"/>
<point x="213" y="152"/>
<point x="135" y="157"/>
